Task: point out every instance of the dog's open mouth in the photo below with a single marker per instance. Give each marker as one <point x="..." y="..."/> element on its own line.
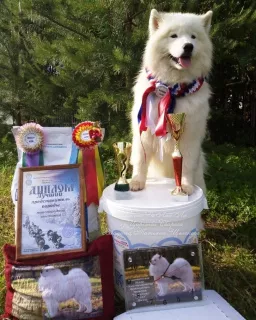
<point x="184" y="60"/>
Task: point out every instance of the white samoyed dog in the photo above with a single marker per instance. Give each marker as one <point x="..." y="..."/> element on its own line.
<point x="178" y="50"/>
<point x="57" y="287"/>
<point x="165" y="273"/>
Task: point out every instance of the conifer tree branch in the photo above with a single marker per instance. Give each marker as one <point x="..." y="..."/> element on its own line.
<point x="137" y="14"/>
<point x="64" y="26"/>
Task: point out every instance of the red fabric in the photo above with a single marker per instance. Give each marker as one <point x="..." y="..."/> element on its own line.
<point x="102" y="247"/>
<point x="165" y="102"/>
<point x="162" y="109"/>
<point x="177" y="165"/>
<point x="143" y="124"/>
<point x="90" y="176"/>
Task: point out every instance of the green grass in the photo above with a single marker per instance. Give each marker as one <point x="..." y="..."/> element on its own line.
<point x="229" y="240"/>
<point x="6" y="222"/>
<point x="231" y="183"/>
<point x="230" y="268"/>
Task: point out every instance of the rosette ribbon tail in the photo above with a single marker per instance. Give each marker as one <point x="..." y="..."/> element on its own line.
<point x="80" y="161"/>
<point x="90" y="176"/>
<point x="165" y="104"/>
<point x="142" y="115"/>
<point x="99" y="172"/>
<point x="32" y="159"/>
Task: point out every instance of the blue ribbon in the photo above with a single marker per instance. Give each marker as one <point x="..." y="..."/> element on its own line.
<point x="139" y="114"/>
<point x="74" y="154"/>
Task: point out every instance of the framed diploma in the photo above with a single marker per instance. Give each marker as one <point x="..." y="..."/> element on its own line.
<point x="50" y="217"/>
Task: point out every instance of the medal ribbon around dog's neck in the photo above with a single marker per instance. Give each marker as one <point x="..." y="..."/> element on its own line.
<point x="167" y="103"/>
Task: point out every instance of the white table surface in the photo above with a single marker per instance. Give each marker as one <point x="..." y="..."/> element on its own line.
<point x="213" y="307"/>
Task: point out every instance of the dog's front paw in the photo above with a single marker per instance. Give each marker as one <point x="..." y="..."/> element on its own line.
<point x="137" y="183"/>
<point x="188" y="188"/>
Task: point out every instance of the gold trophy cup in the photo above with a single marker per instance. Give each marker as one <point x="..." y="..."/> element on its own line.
<point x="123" y="153"/>
<point x="177" y="122"/>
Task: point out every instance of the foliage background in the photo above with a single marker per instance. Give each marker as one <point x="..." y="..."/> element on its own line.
<point x="64" y="61"/>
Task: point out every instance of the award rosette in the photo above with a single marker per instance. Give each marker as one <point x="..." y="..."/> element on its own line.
<point x="30" y="140"/>
<point x="86" y="136"/>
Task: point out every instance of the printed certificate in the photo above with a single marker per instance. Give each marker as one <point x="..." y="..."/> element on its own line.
<point x="50" y="211"/>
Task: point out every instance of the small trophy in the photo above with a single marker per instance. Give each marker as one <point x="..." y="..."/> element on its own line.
<point x="176" y="122"/>
<point x="123" y="153"/>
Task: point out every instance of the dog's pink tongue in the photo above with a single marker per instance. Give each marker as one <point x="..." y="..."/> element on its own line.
<point x="185" y="62"/>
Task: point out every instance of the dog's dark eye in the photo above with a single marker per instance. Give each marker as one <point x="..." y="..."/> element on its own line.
<point x="174" y="36"/>
<point x="193" y="36"/>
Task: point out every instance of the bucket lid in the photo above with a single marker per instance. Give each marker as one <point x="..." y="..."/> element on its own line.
<point x="151" y="204"/>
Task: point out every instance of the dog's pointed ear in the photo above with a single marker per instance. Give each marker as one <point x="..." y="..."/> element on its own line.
<point x="160" y="256"/>
<point x="153" y="21"/>
<point x="207" y="19"/>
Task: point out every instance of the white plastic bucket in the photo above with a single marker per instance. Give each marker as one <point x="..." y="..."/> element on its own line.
<point x="150" y="218"/>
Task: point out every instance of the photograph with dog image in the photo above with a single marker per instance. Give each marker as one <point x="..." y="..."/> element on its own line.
<point x="156" y="276"/>
<point x="65" y="290"/>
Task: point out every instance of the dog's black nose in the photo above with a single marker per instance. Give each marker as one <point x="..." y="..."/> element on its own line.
<point x="188" y="47"/>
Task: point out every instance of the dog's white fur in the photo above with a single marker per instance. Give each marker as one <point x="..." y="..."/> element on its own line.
<point x="57" y="287"/>
<point x="180" y="268"/>
<point x="196" y="106"/>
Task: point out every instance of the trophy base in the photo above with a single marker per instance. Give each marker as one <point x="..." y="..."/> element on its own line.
<point x="122" y="187"/>
<point x="179" y="195"/>
<point x="179" y="198"/>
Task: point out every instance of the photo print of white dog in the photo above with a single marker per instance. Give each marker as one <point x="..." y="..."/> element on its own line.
<point x="162" y="275"/>
<point x="69" y="290"/>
